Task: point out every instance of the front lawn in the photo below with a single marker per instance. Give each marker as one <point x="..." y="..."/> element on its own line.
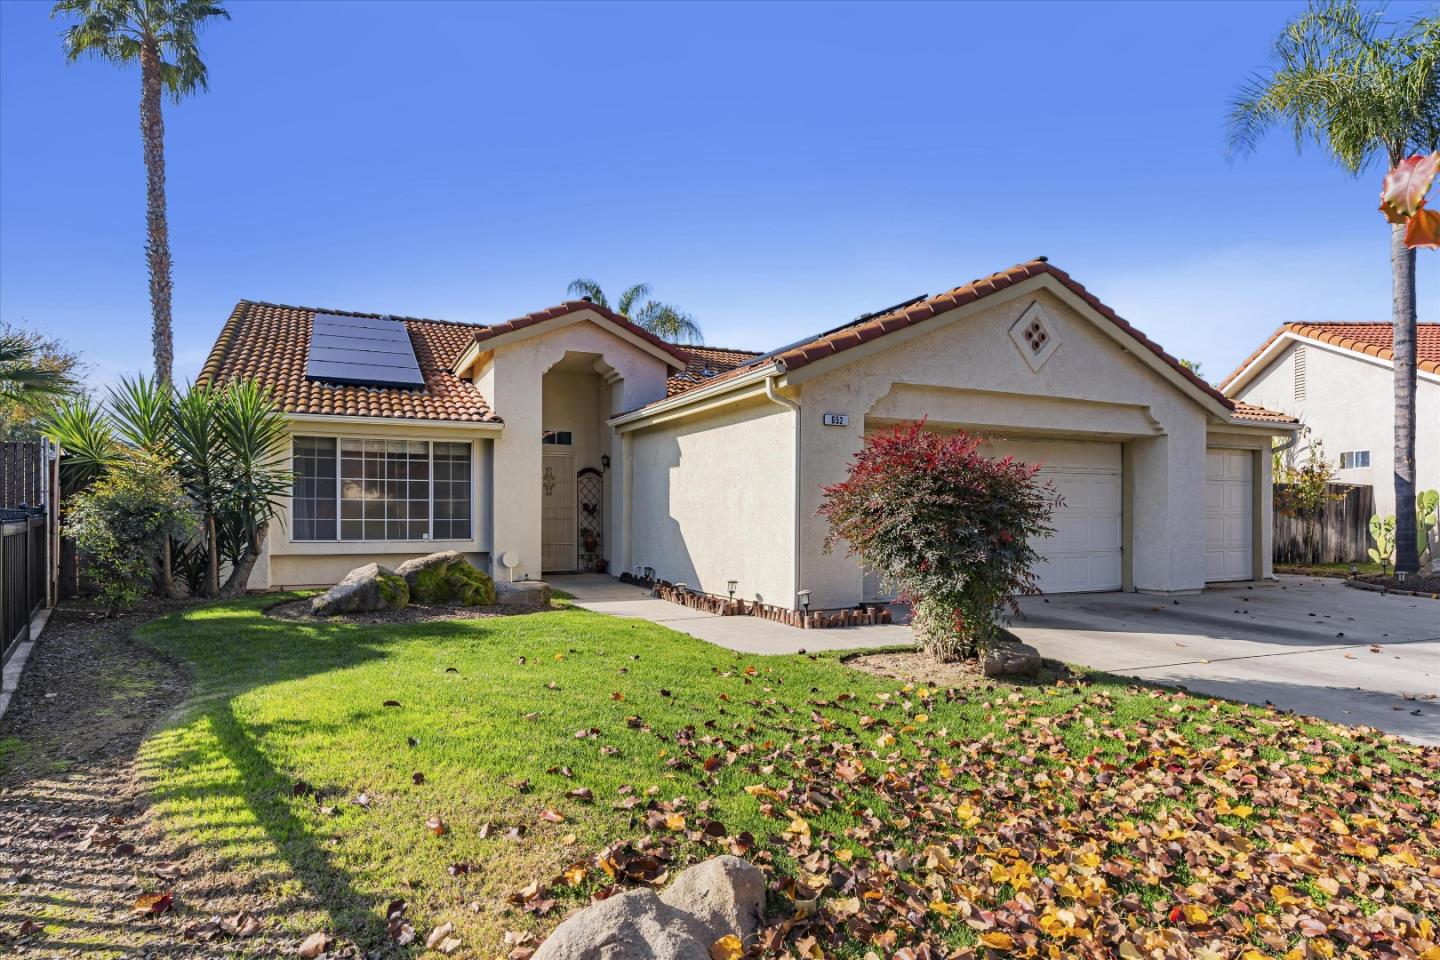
<point x="453" y="765"/>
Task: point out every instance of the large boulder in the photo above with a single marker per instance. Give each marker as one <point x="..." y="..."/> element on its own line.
<point x="446" y="577"/>
<point x="364" y="590"/>
<point x="525" y="593"/>
<point x="635" y="925"/>
<point x="725" y="893"/>
<point x="712" y="899"/>
<point x="1011" y="658"/>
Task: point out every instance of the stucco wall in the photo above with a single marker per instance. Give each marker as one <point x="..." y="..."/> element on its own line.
<point x="289" y="563"/>
<point x="967" y="372"/>
<point x="511" y="379"/>
<point x="1349" y="404"/>
<point x="712" y="500"/>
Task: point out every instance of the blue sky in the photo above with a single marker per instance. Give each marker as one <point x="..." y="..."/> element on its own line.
<point x="775" y="169"/>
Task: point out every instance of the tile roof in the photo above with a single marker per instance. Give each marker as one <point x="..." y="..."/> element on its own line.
<point x="704" y="363"/>
<point x="873" y="327"/>
<point x="1374" y="339"/>
<point x="271" y="343"/>
<point x="1251" y="411"/>
<point x="572" y="306"/>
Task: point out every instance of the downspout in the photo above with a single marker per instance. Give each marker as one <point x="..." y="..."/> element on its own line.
<point x="794" y="407"/>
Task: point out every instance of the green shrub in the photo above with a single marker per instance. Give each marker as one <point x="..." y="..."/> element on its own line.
<point x="124" y="519"/>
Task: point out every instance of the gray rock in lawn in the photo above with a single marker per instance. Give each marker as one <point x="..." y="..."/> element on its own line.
<point x="635" y="925"/>
<point x="411" y="569"/>
<point x="364" y="590"/>
<point x="1011" y="659"/>
<point x="726" y="894"/>
<point x="529" y="593"/>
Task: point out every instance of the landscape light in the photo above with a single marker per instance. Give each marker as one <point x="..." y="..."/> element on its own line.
<point x="804" y="596"/>
<point x="731" y="585"/>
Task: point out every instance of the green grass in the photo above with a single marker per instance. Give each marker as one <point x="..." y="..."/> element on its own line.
<point x="492" y="704"/>
<point x="1326" y="569"/>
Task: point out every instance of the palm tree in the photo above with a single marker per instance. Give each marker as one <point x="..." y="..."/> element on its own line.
<point x="666" y="321"/>
<point x="162" y="35"/>
<point x="1363" y="90"/>
<point x="25" y="377"/>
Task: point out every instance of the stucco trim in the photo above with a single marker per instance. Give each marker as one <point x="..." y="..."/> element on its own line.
<point x="484" y="342"/>
<point x="1234" y="384"/>
<point x="677" y="406"/>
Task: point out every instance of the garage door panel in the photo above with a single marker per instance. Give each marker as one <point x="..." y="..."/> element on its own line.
<point x="1084" y="553"/>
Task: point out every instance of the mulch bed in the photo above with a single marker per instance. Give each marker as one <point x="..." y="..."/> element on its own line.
<point x="299" y="611"/>
<point x="916" y="666"/>
<point x="78" y="845"/>
<point x="1419" y="584"/>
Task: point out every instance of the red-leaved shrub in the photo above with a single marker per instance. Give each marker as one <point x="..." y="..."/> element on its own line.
<point x="947" y="525"/>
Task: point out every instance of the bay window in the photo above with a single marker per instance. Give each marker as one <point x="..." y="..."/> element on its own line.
<point x="359" y="489"/>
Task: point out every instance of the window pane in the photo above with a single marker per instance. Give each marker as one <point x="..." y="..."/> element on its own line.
<point x="385" y="485"/>
<point x="312" y="503"/>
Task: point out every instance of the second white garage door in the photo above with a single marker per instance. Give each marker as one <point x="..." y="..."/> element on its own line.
<point x="1084" y="553"/>
<point x="1228" y="511"/>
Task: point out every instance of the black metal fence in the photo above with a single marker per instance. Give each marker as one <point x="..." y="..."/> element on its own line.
<point x="22" y="474"/>
<point x="1342" y="528"/>
<point x="24" y="582"/>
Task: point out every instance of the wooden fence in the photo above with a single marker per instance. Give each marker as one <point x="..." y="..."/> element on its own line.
<point x="22" y="474"/>
<point x="1342" y="530"/>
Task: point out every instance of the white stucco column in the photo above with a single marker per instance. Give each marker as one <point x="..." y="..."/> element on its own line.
<point x="514" y="389"/>
<point x="1168" y="510"/>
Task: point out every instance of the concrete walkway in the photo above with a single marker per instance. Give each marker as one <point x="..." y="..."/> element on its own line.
<point x="604" y="594"/>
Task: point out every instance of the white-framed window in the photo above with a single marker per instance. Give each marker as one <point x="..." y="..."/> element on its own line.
<point x="560" y="438"/>
<point x="350" y="488"/>
<point x="1354" y="459"/>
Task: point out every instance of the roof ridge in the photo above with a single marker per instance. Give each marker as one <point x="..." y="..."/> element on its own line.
<point x="361" y="313"/>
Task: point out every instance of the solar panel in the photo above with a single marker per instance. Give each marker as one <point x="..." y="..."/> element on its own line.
<point x="370" y="351"/>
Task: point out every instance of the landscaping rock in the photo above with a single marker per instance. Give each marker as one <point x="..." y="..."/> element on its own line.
<point x="726" y="894"/>
<point x="530" y="593"/>
<point x="1011" y="659"/>
<point x="446" y="577"/>
<point x="635" y="925"/>
<point x="364" y="590"/>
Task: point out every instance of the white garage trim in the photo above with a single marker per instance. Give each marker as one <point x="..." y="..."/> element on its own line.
<point x="1229" y="515"/>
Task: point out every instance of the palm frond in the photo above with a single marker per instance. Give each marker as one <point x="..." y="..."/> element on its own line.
<point x="668" y="322"/>
<point x="583" y="287"/>
<point x="118" y="30"/>
<point x="24" y="376"/>
<point x="630" y="297"/>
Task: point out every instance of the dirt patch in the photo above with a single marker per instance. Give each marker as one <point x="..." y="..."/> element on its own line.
<point x="299" y="611"/>
<point x="78" y="842"/>
<point x="1419" y="584"/>
<point x="915" y="666"/>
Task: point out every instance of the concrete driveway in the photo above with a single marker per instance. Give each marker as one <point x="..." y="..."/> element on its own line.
<point x="1306" y="644"/>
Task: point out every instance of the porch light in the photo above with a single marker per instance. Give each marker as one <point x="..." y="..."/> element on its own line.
<point x="731" y="585"/>
<point x="604" y="461"/>
<point x="804" y="597"/>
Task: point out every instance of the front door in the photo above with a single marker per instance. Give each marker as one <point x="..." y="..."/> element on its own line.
<point x="557" y="513"/>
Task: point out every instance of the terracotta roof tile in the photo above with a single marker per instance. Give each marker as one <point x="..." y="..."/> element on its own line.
<point x="702" y="363"/>
<point x="1251" y="411"/>
<point x="271" y="344"/>
<point x="1374" y="339"/>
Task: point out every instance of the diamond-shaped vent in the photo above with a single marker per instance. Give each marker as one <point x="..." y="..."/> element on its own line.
<point x="1035" y="335"/>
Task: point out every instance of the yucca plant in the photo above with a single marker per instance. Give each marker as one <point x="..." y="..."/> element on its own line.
<point x="87" y="439"/>
<point x="253" y="433"/>
<point x="205" y="468"/>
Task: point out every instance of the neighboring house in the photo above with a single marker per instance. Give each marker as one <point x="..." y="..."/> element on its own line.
<point x="1338" y="380"/>
<point x="570" y="439"/>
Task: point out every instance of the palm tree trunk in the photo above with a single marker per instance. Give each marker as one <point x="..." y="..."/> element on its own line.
<point x="1402" y="263"/>
<point x="157" y="231"/>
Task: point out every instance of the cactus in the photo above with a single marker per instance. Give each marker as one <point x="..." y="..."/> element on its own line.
<point x="1426" y="504"/>
<point x="1382" y="531"/>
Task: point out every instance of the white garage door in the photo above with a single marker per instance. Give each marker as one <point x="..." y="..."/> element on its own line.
<point x="1084" y="553"/>
<point x="1228" y="506"/>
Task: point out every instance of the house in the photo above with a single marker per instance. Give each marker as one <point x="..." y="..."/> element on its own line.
<point x="570" y="439"/>
<point x="1338" y="380"/>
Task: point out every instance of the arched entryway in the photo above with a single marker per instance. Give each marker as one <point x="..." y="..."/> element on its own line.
<point x="575" y="455"/>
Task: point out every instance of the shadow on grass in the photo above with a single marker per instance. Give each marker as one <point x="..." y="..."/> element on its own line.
<point x="213" y="782"/>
